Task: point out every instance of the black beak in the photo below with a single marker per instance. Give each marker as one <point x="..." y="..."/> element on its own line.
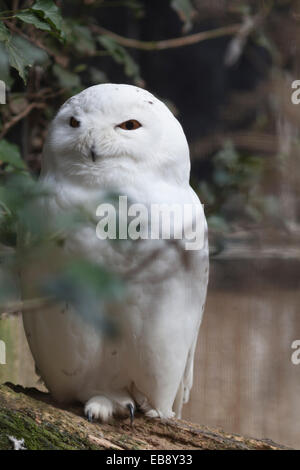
<point x="93" y="155"/>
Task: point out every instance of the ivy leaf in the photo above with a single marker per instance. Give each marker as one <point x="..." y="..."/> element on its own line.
<point x="28" y="17"/>
<point x="4" y="33"/>
<point x="10" y="153"/>
<point x="4" y="67"/>
<point x="31" y="53"/>
<point x="185" y="11"/>
<point x="87" y="287"/>
<point x="17" y="60"/>
<point x="120" y="55"/>
<point x="47" y="10"/>
<point x="22" y="54"/>
<point x="15" y="56"/>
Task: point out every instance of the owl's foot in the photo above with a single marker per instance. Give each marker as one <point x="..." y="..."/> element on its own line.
<point x="153" y="413"/>
<point x="105" y="407"/>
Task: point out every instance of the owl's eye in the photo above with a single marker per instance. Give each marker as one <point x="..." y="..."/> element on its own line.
<point x="130" y="125"/>
<point x="74" y="122"/>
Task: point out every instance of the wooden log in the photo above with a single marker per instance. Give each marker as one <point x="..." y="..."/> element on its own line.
<point x="32" y="416"/>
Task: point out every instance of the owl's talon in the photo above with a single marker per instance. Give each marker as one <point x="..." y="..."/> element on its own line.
<point x="131" y="413"/>
<point x="90" y="416"/>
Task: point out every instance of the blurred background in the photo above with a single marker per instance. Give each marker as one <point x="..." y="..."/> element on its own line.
<point x="226" y="69"/>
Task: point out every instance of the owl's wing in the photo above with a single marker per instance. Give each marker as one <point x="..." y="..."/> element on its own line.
<point x="199" y="281"/>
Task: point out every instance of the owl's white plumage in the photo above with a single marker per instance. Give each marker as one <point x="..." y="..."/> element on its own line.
<point x="150" y="364"/>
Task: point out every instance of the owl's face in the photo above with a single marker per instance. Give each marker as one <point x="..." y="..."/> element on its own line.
<point x="108" y="127"/>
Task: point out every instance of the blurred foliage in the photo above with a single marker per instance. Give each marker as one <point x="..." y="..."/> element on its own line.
<point x="43" y="57"/>
<point x="87" y="286"/>
<point x="30" y="38"/>
<point x="236" y="188"/>
<point x="186" y="12"/>
<point x="50" y="50"/>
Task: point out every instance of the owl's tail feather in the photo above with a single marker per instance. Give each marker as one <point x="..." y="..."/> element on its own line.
<point x="183" y="392"/>
<point x="179" y="400"/>
<point x="144" y="405"/>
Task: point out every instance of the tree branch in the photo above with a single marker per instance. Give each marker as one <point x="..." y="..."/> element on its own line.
<point x="21" y="306"/>
<point x="33" y="416"/>
<point x="168" y="43"/>
<point x="19" y="117"/>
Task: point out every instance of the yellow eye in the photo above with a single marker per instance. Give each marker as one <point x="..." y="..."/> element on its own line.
<point x="130" y="125"/>
<point x="74" y="122"/>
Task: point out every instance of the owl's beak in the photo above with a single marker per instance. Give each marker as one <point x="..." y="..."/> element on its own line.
<point x="93" y="155"/>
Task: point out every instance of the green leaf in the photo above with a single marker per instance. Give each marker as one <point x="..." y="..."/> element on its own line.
<point x="227" y="157"/>
<point x="217" y="223"/>
<point x="82" y="39"/>
<point x="223" y="177"/>
<point x="120" y="55"/>
<point x="8" y="292"/>
<point x="185" y="10"/>
<point x="31" y="53"/>
<point x="17" y="60"/>
<point x="31" y="18"/>
<point x="4" y="33"/>
<point x="51" y="13"/>
<point x="10" y="153"/>
<point x="102" y="281"/>
<point x="22" y="54"/>
<point x="4" y="67"/>
<point x="87" y="287"/>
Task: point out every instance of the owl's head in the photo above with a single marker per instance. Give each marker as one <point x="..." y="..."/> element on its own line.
<point x="112" y="129"/>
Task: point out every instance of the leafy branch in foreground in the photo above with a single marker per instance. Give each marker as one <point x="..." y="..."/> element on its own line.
<point x="44" y="15"/>
<point x="55" y="276"/>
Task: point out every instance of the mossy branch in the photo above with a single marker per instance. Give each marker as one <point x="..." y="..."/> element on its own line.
<point x="31" y="415"/>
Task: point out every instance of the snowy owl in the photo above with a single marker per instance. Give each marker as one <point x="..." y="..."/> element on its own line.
<point x="121" y="138"/>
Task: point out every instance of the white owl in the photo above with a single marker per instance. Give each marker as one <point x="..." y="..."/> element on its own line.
<point x="122" y="138"/>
